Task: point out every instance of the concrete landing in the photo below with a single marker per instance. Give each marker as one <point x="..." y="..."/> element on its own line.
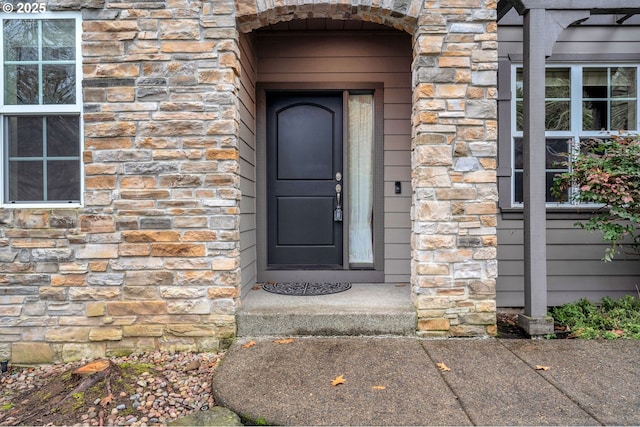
<point x="365" y="309"/>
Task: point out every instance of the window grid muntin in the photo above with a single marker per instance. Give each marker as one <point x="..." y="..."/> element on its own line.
<point x="43" y="109"/>
<point x="576" y="132"/>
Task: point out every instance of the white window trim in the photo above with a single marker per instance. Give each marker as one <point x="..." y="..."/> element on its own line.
<point x="76" y="108"/>
<point x="575" y="132"/>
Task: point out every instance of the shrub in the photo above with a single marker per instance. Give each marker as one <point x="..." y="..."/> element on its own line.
<point x="607" y="173"/>
<point x="610" y="319"/>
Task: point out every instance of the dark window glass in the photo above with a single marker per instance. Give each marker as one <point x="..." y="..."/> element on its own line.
<point x="557" y="150"/>
<point x="20" y="40"/>
<point x="63" y="136"/>
<point x="63" y="180"/>
<point x="24" y="136"/>
<point x="25" y="181"/>
<point x="59" y="84"/>
<point x="21" y="84"/>
<point x="58" y="40"/>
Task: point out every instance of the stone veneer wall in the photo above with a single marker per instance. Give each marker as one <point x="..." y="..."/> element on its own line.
<point x="152" y="260"/>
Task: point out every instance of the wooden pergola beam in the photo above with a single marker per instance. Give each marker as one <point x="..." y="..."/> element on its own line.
<point x="597" y="7"/>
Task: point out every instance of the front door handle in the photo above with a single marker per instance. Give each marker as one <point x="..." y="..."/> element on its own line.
<point x="337" y="213"/>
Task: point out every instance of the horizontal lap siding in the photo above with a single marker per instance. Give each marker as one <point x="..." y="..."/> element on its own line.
<point x="247" y="163"/>
<point x="581" y="40"/>
<point x="575" y="266"/>
<point x="372" y="58"/>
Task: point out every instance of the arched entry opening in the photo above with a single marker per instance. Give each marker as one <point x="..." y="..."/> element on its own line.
<point x="292" y="54"/>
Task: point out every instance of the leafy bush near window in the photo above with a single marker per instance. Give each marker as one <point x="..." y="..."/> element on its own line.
<point x="607" y="172"/>
<point x="611" y="319"/>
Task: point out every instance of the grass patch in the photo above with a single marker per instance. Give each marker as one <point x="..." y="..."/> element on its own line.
<point x="610" y="319"/>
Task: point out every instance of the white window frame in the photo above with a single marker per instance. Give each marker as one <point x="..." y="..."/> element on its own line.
<point x="43" y="110"/>
<point x="575" y="132"/>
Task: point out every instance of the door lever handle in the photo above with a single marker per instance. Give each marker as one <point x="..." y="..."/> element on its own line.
<point x="337" y="213"/>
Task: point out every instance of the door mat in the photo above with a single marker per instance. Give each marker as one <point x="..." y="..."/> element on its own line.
<point x="305" y="288"/>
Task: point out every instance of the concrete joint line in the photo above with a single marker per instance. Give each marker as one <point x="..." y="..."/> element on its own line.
<point x="555" y="385"/>
<point x="444" y="378"/>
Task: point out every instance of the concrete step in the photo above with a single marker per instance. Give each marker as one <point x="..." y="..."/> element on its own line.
<point x="365" y="309"/>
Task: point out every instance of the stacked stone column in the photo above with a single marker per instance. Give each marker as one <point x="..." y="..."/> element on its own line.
<point x="454" y="268"/>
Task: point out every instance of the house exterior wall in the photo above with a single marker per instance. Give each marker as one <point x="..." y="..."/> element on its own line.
<point x="247" y="150"/>
<point x="575" y="266"/>
<point x="153" y="258"/>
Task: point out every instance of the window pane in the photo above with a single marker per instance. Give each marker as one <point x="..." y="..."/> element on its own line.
<point x="63" y="180"/>
<point x="623" y="82"/>
<point x="20" y="40"/>
<point x="557" y="153"/>
<point x="519" y="116"/>
<point x="519" y="83"/>
<point x="550" y="197"/>
<point x="518" y="147"/>
<point x="25" y="181"/>
<point x="594" y="83"/>
<point x="557" y="115"/>
<point x="519" y="187"/>
<point x="623" y="115"/>
<point x="58" y="40"/>
<point x="24" y="136"/>
<point x="63" y="136"/>
<point x="59" y="84"/>
<point x="557" y="83"/>
<point x="594" y="115"/>
<point x="21" y="84"/>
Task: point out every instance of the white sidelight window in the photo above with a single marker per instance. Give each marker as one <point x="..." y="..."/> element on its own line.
<point x="360" y="178"/>
<point x="41" y="109"/>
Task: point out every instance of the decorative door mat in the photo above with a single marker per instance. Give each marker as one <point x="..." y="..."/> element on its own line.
<point x="305" y="288"/>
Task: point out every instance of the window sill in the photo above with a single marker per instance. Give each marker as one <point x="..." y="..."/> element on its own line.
<point x="41" y="205"/>
<point x="554" y="212"/>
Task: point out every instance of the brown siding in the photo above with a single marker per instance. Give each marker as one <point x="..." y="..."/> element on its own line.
<point x="248" y="161"/>
<point x="580" y="40"/>
<point x="371" y="57"/>
<point x="575" y="266"/>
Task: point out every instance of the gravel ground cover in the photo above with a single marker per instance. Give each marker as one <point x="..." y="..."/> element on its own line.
<point x="148" y="389"/>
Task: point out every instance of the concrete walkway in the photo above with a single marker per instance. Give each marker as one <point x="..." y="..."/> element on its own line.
<point x="397" y="381"/>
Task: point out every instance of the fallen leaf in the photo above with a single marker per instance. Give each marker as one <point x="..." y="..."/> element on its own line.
<point x="378" y="387"/>
<point x="249" y="344"/>
<point x="542" y="368"/>
<point x="256" y="288"/>
<point x="106" y="400"/>
<point x="338" y="380"/>
<point x="284" y="341"/>
<point x="443" y="367"/>
<point x="192" y="366"/>
<point x="93" y="367"/>
<point x="400" y="285"/>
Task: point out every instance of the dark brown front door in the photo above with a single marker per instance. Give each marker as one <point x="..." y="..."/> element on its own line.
<point x="304" y="165"/>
